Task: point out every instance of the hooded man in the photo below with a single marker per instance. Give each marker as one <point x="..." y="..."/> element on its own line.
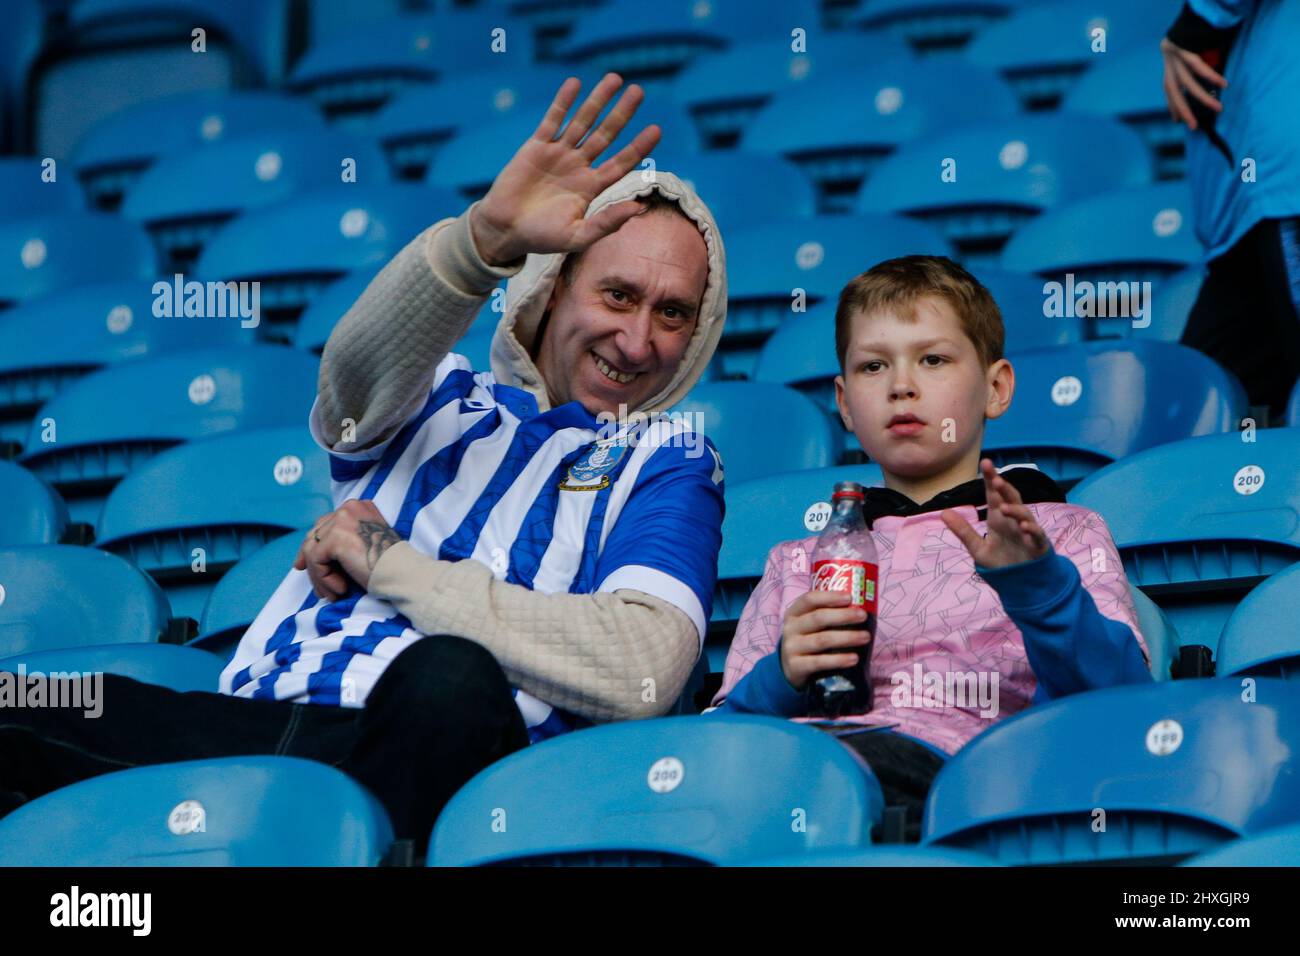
<point x="591" y="539"/>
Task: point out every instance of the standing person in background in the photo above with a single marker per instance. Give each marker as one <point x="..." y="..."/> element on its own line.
<point x="1232" y="75"/>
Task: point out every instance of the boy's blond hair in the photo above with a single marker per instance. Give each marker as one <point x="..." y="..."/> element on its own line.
<point x="898" y="283"/>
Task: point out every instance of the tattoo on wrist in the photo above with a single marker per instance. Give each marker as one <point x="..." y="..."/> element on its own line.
<point x="378" y="537"/>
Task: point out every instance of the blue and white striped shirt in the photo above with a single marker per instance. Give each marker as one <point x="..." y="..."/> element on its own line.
<point x="558" y="502"/>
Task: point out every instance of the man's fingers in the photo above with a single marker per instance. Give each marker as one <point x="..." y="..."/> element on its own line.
<point x="1199" y="66"/>
<point x="1189" y="83"/>
<point x="559" y="108"/>
<point x="1177" y="102"/>
<point x="608" y="220"/>
<point x="590" y="109"/>
<point x="613" y="123"/>
<point x="627" y="158"/>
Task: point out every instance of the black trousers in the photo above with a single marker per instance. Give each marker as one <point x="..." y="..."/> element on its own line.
<point x="441" y="711"/>
<point x="904" y="768"/>
<point x="1246" y="316"/>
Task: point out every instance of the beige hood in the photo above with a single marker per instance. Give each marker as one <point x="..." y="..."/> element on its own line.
<point x="529" y="290"/>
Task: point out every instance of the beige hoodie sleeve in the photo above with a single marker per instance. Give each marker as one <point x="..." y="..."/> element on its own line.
<point x="380" y="359"/>
<point x="604" y="656"/>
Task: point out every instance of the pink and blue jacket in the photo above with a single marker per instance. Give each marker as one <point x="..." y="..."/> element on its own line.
<point x="958" y="647"/>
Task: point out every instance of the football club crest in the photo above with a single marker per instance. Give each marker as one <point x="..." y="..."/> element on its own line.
<point x="591" y="471"/>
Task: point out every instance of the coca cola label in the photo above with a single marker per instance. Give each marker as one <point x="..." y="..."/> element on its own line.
<point x="842" y="574"/>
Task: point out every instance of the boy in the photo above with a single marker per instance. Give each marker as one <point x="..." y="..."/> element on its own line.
<point x="993" y="592"/>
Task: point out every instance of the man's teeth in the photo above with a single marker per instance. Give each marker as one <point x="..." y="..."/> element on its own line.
<point x="605" y="369"/>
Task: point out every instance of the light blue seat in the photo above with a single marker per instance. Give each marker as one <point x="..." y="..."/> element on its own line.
<point x="729" y="180"/>
<point x="616" y="38"/>
<point x="886" y="856"/>
<point x="98" y="325"/>
<point x="469" y="161"/>
<point x="415" y="125"/>
<point x="1120" y="86"/>
<point x="768" y="264"/>
<point x="183" y="199"/>
<point x="1002" y="173"/>
<point x="354" y="74"/>
<point x="839" y="127"/>
<point x="1172" y="301"/>
<point x="724" y="90"/>
<point x="228" y="811"/>
<point x="1130" y="236"/>
<point x="113" y="153"/>
<point x="1200" y="522"/>
<point x="225" y="496"/>
<point x="114" y="54"/>
<point x="20" y="44"/>
<point x="1079" y="407"/>
<point x="24" y="191"/>
<point x="56" y="251"/>
<point x="761" y="513"/>
<point x="716" y="789"/>
<point x="1177" y="768"/>
<point x="113" y="420"/>
<point x="298" y="247"/>
<point x="931" y="25"/>
<point x="167" y="665"/>
<point x="1043" y="49"/>
<point x="243" y="591"/>
<point x="760" y="428"/>
<point x="1158" y="633"/>
<point x="1277" y="847"/>
<point x="60" y="595"/>
<point x="1260" y="638"/>
<point x="32" y="512"/>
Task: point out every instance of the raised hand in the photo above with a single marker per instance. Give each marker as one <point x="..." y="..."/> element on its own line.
<point x="538" y="202"/>
<point x="1014" y="534"/>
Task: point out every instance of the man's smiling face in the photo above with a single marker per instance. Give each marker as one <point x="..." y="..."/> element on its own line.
<point x="621" y="322"/>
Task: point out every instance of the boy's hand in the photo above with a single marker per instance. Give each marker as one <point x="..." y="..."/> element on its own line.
<point x="1182" y="67"/>
<point x="806" y="636"/>
<point x="1014" y="534"/>
<point x="538" y="202"/>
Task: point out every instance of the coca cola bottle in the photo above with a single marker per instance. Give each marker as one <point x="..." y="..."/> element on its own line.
<point x="845" y="560"/>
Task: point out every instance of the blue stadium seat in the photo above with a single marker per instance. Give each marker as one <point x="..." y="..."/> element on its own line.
<point x="52" y="252"/>
<point x="113" y="420"/>
<point x="1126" y="86"/>
<point x="25" y="192"/>
<point x="476" y="345"/>
<point x="470" y="161"/>
<point x="224" y="497"/>
<point x="1200" y="522"/>
<point x="1260" y="638"/>
<point x="679" y="790"/>
<point x="768" y="263"/>
<point x="1006" y="172"/>
<point x="640" y="48"/>
<point x="1171" y="306"/>
<point x="185" y="198"/>
<point x="932" y="25"/>
<point x="1043" y="49"/>
<point x="759" y="428"/>
<point x="228" y="811"/>
<point x="1135" y="235"/>
<point x="1293" y="406"/>
<point x="725" y="90"/>
<point x="113" y="153"/>
<point x="893" y="857"/>
<point x="761" y="513"/>
<point x="178" y="668"/>
<point x="33" y="512"/>
<point x="1159" y="634"/>
<point x="60" y="595"/>
<point x="1077" y="408"/>
<point x="839" y="127"/>
<point x="415" y="125"/>
<point x="729" y="181"/>
<point x="551" y="21"/>
<point x="20" y="43"/>
<point x="114" y="54"/>
<point x="298" y="247"/>
<point x="353" y="75"/>
<point x="1279" y="846"/>
<point x="1177" y="768"/>
<point x="96" y="325"/>
<point x="242" y="592"/>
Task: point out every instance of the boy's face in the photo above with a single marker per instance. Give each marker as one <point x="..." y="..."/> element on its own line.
<point x="916" y="393"/>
